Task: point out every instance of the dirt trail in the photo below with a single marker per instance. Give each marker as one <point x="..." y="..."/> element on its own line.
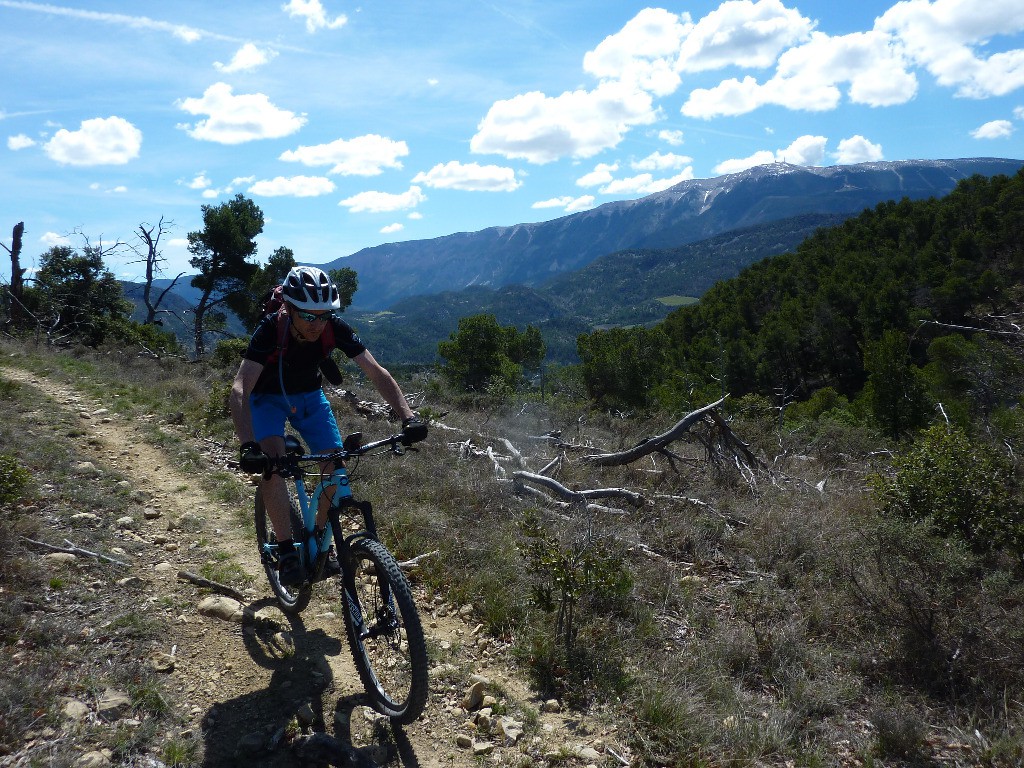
<point x="240" y="683"/>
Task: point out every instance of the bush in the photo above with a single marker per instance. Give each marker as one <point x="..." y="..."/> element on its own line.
<point x="14" y="479"/>
<point x="961" y="487"/>
<point x="228" y="353"/>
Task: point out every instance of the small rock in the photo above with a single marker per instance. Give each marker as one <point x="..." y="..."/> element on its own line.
<point x="131" y="582"/>
<point x="466" y="610"/>
<point x="509" y="729"/>
<point x="113" y="705"/>
<point x="84" y="517"/>
<point x="151" y="513"/>
<point x="86" y="468"/>
<point x="164" y="567"/>
<point x="162" y="662"/>
<point x="463" y="741"/>
<point x="490" y="702"/>
<point x="481" y="748"/>
<point x="93" y="760"/>
<point x="474" y="697"/>
<point x="125" y="522"/>
<point x="250" y="744"/>
<point x="75" y="711"/>
<point x="305" y="715"/>
<point x="551" y="705"/>
<point x="60" y="558"/>
<point x="221" y="607"/>
<point x="587" y="753"/>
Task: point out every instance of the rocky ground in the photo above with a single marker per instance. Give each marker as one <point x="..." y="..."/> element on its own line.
<point x="256" y="687"/>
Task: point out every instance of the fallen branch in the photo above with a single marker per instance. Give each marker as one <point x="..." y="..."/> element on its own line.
<point x="657" y="443"/>
<point x="73" y="549"/>
<point x="223" y="589"/>
<point x="560" y="490"/>
<point x="408" y="565"/>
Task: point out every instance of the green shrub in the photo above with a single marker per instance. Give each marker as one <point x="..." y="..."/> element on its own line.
<point x="962" y="488"/>
<point x="14" y="479"/>
<point x="228" y="353"/>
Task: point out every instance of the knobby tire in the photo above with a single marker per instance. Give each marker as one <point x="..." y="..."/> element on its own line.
<point x="392" y="659"/>
<point x="290" y="601"/>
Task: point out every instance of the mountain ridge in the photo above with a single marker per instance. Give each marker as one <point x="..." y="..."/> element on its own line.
<point x="530" y="253"/>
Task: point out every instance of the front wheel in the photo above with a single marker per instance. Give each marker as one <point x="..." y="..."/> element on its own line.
<point x="384" y="632"/>
<point x="290" y="602"/>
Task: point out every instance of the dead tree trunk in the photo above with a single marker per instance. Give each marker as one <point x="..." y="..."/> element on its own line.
<point x="17" y="272"/>
<point x="653" y="444"/>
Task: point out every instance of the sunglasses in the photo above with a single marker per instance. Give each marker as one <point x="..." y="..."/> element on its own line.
<point x="309" y="317"/>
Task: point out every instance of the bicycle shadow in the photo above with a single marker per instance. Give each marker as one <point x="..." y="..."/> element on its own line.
<point x="253" y="729"/>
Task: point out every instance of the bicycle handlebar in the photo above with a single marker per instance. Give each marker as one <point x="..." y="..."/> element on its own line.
<point x="394" y="444"/>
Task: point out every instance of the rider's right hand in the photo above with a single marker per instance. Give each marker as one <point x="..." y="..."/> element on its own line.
<point x="251" y="458"/>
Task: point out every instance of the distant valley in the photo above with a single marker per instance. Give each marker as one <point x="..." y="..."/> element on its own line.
<point x="622" y="263"/>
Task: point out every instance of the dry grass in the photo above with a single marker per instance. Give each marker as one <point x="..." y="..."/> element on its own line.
<point x="769" y="622"/>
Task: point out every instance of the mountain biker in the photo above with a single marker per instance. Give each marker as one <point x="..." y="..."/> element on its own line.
<point x="279" y="380"/>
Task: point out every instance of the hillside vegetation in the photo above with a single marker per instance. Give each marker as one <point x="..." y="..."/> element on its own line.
<point x="785" y="527"/>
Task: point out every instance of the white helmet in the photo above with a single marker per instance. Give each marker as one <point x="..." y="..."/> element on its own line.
<point x="310" y="288"/>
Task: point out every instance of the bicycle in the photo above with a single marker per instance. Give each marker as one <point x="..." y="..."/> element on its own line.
<point x="383" y="626"/>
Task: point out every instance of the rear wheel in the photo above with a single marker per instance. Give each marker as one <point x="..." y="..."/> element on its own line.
<point x="291" y="599"/>
<point x="384" y="632"/>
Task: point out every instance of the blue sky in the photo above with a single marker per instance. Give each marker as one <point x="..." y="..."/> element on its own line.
<point x="355" y="125"/>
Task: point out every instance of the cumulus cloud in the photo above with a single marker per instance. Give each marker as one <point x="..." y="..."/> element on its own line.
<point x="1018" y="113"/>
<point x="602" y="174"/>
<point x="21" y="141"/>
<point x="384" y="202"/>
<point x="246" y="58"/>
<point x="643" y="52"/>
<point x="100" y="141"/>
<point x="808" y="77"/>
<point x="994" y="129"/>
<point x="806" y="150"/>
<point x="314" y="14"/>
<point x="362" y="156"/>
<point x="50" y="239"/>
<point x="293" y="186"/>
<point x="470" y="177"/>
<point x="541" y="129"/>
<point x="672" y="138"/>
<point x="200" y="181"/>
<point x="644" y="184"/>
<point x="237" y="119"/>
<point x="390" y="229"/>
<point x="857" y="149"/>
<point x="656" y="161"/>
<point x="947" y="37"/>
<point x="568" y="203"/>
<point x="742" y="33"/>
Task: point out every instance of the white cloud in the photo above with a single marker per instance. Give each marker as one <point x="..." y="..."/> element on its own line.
<point x="182" y="32"/>
<point x="947" y="37"/>
<point x="362" y="156"/>
<point x="659" y="162"/>
<point x="200" y="182"/>
<point x="602" y="174"/>
<point x="21" y="141"/>
<point x="50" y="239"/>
<point x="643" y="52"/>
<point x="994" y="129"/>
<point x="314" y="14"/>
<point x="246" y="58"/>
<point x="568" y="203"/>
<point x="672" y="138"/>
<point x="806" y="150"/>
<point x="238" y="119"/>
<point x="293" y="186"/>
<point x="100" y="141"/>
<point x="392" y="228"/>
<point x="857" y="149"/>
<point x="470" y="177"/>
<point x="742" y="33"/>
<point x="644" y="184"/>
<point x="1018" y="113"/>
<point x="383" y="202"/>
<point x="415" y="216"/>
<point x="579" y="124"/>
<point x="764" y="157"/>
<point x="808" y="78"/>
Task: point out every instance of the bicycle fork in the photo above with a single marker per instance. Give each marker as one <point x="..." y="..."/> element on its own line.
<point x="385" y="622"/>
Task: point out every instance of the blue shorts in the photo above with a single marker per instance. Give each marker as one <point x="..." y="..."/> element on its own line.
<point x="313" y="418"/>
